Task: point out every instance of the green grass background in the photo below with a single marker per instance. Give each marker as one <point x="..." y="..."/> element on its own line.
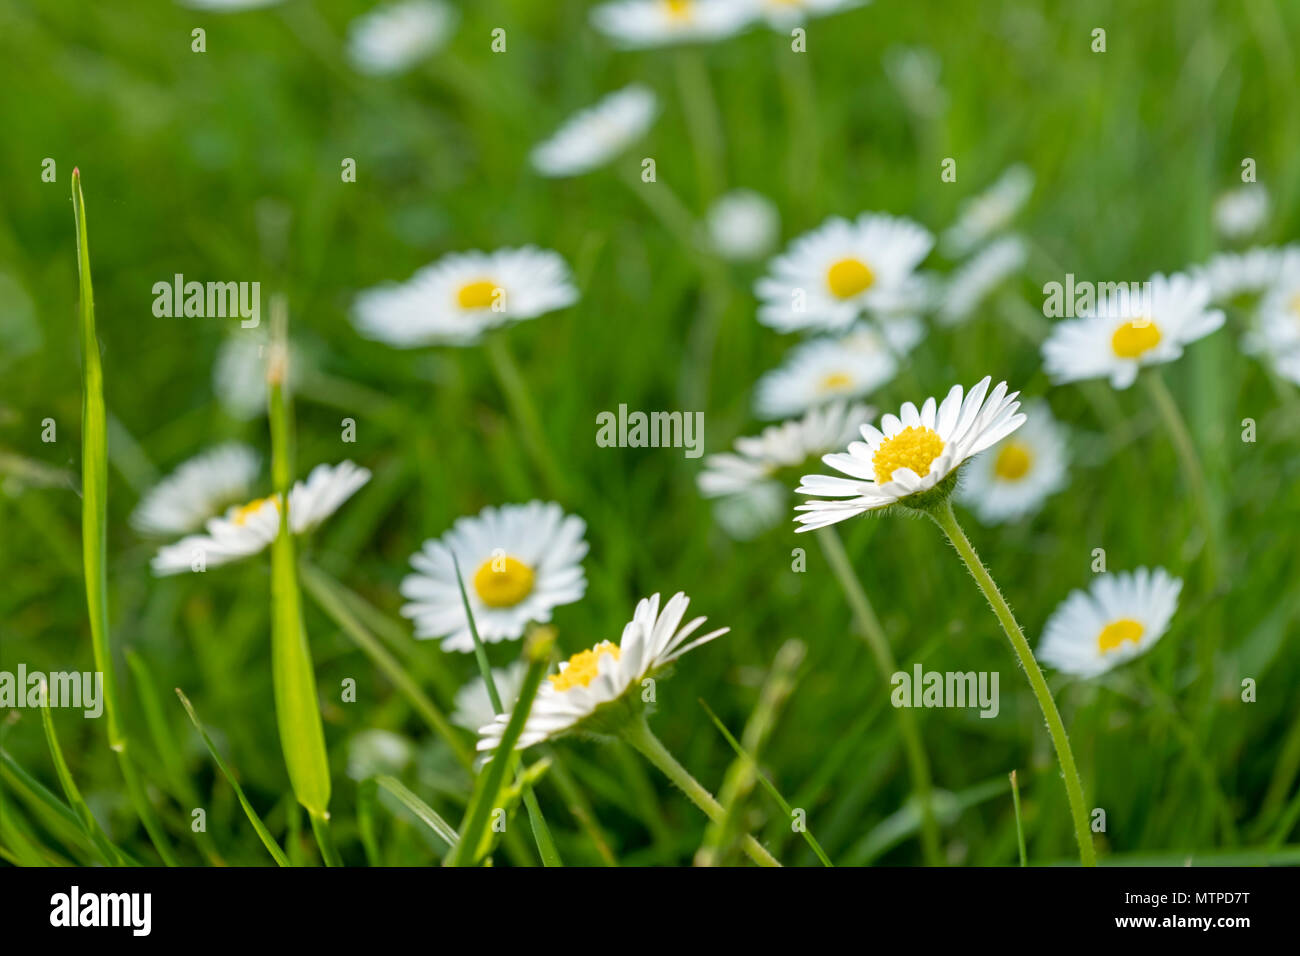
<point x="225" y="166"/>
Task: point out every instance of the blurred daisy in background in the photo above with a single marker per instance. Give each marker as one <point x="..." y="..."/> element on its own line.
<point x="783" y="14"/>
<point x="638" y="24"/>
<point x="990" y="212"/>
<point x="464" y="294"/>
<point x="828" y="277"/>
<point x="200" y="488"/>
<point x="1119" y="617"/>
<point x="914" y="72"/>
<point x="1276" y="337"/>
<point x="893" y="335"/>
<point x="1240" y="213"/>
<point x="518" y="563"/>
<point x="749" y="495"/>
<point x="910" y="453"/>
<point x="473" y="706"/>
<point x="822" y="371"/>
<point x="246" y="529"/>
<point x="395" y="36"/>
<point x="743" y="225"/>
<point x="594" y="136"/>
<point x="1014" y="477"/>
<point x="239" y="374"/>
<point x="1236" y="275"/>
<point x="588" y="692"/>
<point x="973" y="281"/>
<point x="374" y="752"/>
<point x="1129" y="332"/>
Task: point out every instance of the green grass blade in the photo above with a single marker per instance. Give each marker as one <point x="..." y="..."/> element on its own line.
<point x="56" y="816"/>
<point x="1020" y="827"/>
<point x="426" y="814"/>
<point x="263" y="833"/>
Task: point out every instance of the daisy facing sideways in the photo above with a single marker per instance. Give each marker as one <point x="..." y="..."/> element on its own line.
<point x="784" y="14"/>
<point x="828" y="277"/>
<point x="822" y="371"/>
<point x="1127" y="332"/>
<point x="245" y="530"/>
<point x="1276" y="337"/>
<point x="640" y="24"/>
<point x="197" y="490"/>
<point x="464" y="294"/>
<point x="1118" y="618"/>
<point x="394" y="37"/>
<point x="1014" y="477"/>
<point x="910" y="454"/>
<point x="518" y="563"/>
<point x="990" y="212"/>
<point x="594" y="136"/>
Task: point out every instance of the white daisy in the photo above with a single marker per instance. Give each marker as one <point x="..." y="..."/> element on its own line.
<point x="979" y="275"/>
<point x="1235" y="274"/>
<point x="474" y="705"/>
<point x="822" y="371"/>
<point x="1126" y="333"/>
<point x="989" y="212"/>
<point x="396" y="36"/>
<point x="1241" y="212"/>
<point x="743" y="225"/>
<point x="197" y="490"/>
<point x="638" y="24"/>
<point x="749" y="496"/>
<point x="1119" y="617"/>
<point x="909" y="454"/>
<point x="594" y="136"/>
<point x="239" y="374"/>
<point x="1277" y="336"/>
<point x="247" y="529"/>
<point x="518" y="562"/>
<point x="828" y="277"/>
<point x="456" y="299"/>
<point x="374" y="752"/>
<point x="1015" y="476"/>
<point x="783" y="14"/>
<point x="588" y="692"/>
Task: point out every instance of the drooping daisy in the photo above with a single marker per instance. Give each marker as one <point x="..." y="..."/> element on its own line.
<point x="1232" y="275"/>
<point x="393" y="37"/>
<point x="979" y="275"/>
<point x="1119" y="617"/>
<point x="909" y="454"/>
<point x="750" y="496"/>
<point x="518" y="562"/>
<point x="474" y="705"/>
<point x="1127" y="333"/>
<point x="198" y="489"/>
<point x="639" y="24"/>
<point x="783" y="14"/>
<point x="989" y="212"/>
<point x="597" y="690"/>
<point x="1241" y="212"/>
<point x="456" y="299"/>
<point x="239" y="374"/>
<point x="822" y="371"/>
<point x="594" y="136"/>
<point x="247" y="529"/>
<point x="1015" y="476"/>
<point x="828" y="277"/>
<point x="743" y="225"/>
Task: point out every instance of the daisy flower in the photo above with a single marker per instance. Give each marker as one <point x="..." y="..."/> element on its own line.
<point x="519" y="563"/>
<point x="396" y="36"/>
<point x="1241" y="212"/>
<point x="1278" y="332"/>
<point x="473" y="706"/>
<point x="1127" y="333"/>
<point x="910" y="454"/>
<point x="744" y="483"/>
<point x="597" y="690"/>
<point x="1015" y="476"/>
<point x="784" y="14"/>
<point x="979" y="275"/>
<point x="822" y="371"/>
<point x="374" y="752"/>
<point x="245" y="530"/>
<point x="742" y="225"/>
<point x="456" y="299"/>
<point x="239" y="374"/>
<point x="594" y="136"/>
<point x="1231" y="275"/>
<point x="197" y="490"/>
<point x="638" y="24"/>
<point x="990" y="212"/>
<point x="830" y="276"/>
<point x="1118" y="618"/>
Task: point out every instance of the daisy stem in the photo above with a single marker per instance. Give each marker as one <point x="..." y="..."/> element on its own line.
<point x="878" y="642"/>
<point x="702" y="120"/>
<point x="943" y="516"/>
<point x="801" y="109"/>
<point x="1020" y="827"/>
<point x="525" y="413"/>
<point x="639" y="735"/>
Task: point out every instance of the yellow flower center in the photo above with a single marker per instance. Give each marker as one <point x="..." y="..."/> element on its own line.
<point x="836" y="381"/>
<point x="503" y="582"/>
<point x="1013" y="461"/>
<point x="913" y="448"/>
<point x="848" y="277"/>
<point x="678" y="9"/>
<point x="583" y="666"/>
<point x="1135" y="337"/>
<point x="241" y="514"/>
<point x="479" y="294"/>
<point x="1117" y="632"/>
<point x="1295" y="305"/>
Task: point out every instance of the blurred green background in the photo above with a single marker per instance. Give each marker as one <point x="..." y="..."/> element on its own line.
<point x="225" y="165"/>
